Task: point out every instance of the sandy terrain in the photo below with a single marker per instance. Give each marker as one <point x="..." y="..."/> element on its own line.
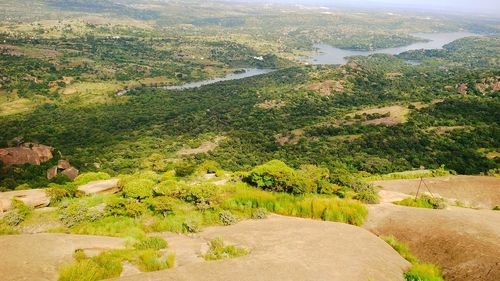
<point x="476" y="191"/>
<point x="39" y="256"/>
<point x="285" y="248"/>
<point x="464" y="242"/>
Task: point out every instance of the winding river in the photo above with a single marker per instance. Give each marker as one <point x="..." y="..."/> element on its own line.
<point x="327" y="54"/>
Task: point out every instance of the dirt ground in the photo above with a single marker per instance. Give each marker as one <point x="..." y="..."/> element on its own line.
<point x="39" y="256"/>
<point x="285" y="248"/>
<point x="465" y="243"/>
<point x="474" y="191"/>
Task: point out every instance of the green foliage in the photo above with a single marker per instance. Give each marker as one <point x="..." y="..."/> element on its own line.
<point x="124" y="207"/>
<point x="78" y="212"/>
<point x="191" y="226"/>
<point x="368" y="197"/>
<point x="424" y="201"/>
<point x="59" y="192"/>
<point x="151" y="242"/>
<point x="424" y="272"/>
<point x="85" y="178"/>
<point x="184" y="169"/>
<point x="218" y="251"/>
<point x="6" y="229"/>
<point x="140" y="188"/>
<point x="496" y="208"/>
<point x="328" y="208"/>
<point x="18" y="213"/>
<point x="203" y="196"/>
<point x="227" y="218"/>
<point x="259" y="214"/>
<point x="277" y="176"/>
<point x="161" y="205"/>
<point x="110" y="226"/>
<point x="419" y="271"/>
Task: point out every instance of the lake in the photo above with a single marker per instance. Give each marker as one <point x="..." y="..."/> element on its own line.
<point x="327" y="54"/>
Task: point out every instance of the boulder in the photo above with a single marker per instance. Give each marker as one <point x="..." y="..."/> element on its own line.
<point x="71" y="173"/>
<point x="52" y="172"/>
<point x="28" y="153"/>
<point x="35" y="198"/>
<point x="100" y="187"/>
<point x="63" y="164"/>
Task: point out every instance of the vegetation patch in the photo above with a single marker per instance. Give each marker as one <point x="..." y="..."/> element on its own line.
<point x="424" y="201"/>
<point x="419" y="271"/>
<point x="219" y="251"/>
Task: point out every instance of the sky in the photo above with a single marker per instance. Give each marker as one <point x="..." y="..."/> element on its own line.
<point x="465" y="7"/>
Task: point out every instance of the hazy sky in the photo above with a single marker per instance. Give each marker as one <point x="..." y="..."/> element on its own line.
<point x="490" y="7"/>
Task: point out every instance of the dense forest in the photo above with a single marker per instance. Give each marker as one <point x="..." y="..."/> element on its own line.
<point x="376" y="115"/>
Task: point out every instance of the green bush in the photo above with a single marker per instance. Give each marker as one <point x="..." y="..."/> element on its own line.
<point x="424" y="272"/>
<point x="191" y="226"/>
<point x="77" y="212"/>
<point x="161" y="205"/>
<point x="227" y="218"/>
<point x="6" y="229"/>
<point x="152" y="242"/>
<point x="423" y="201"/>
<point x="85" y="178"/>
<point x="111" y="226"/>
<point x="218" y="251"/>
<point x="124" y="207"/>
<point x="203" y="196"/>
<point x="418" y="271"/>
<point x="496" y="208"/>
<point x="184" y="169"/>
<point x="277" y="176"/>
<point x="17" y="214"/>
<point x="138" y="188"/>
<point x="368" y="197"/>
<point x="58" y="192"/>
<point x="259" y="214"/>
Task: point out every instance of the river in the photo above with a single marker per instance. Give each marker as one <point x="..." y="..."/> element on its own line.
<point x="327" y="54"/>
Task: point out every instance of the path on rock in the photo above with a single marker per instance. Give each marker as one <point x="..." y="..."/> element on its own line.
<point x="285" y="248"/>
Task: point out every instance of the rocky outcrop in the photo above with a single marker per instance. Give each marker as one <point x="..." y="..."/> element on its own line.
<point x="63" y="167"/>
<point x="35" y="198"/>
<point x="27" y="153"/>
<point x="100" y="187"/>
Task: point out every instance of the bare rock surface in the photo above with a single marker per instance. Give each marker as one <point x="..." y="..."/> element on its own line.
<point x="464" y="242"/>
<point x="285" y="248"/>
<point x="39" y="256"/>
<point x="35" y="198"/>
<point x="100" y="187"/>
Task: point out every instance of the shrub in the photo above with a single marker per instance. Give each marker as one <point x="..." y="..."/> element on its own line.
<point x="203" y="196"/>
<point x="161" y="205"/>
<point x="153" y="242"/>
<point x="58" y="192"/>
<point x="90" y="177"/>
<point x="496" y="208"/>
<point x="218" y="251"/>
<point x="138" y="188"/>
<point x="6" y="229"/>
<point x="111" y="226"/>
<point x="76" y="213"/>
<point x="418" y="271"/>
<point x="368" y="197"/>
<point x="424" y="272"/>
<point x="276" y="176"/>
<point x="17" y="214"/>
<point x="150" y="260"/>
<point x="227" y="218"/>
<point x="423" y="201"/>
<point x="209" y="166"/>
<point x="259" y="214"/>
<point x="124" y="207"/>
<point x="85" y="270"/>
<point x="184" y="169"/>
<point x="191" y="226"/>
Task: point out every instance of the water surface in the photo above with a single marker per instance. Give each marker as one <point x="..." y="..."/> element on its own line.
<point x="249" y="72"/>
<point x="327" y="54"/>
